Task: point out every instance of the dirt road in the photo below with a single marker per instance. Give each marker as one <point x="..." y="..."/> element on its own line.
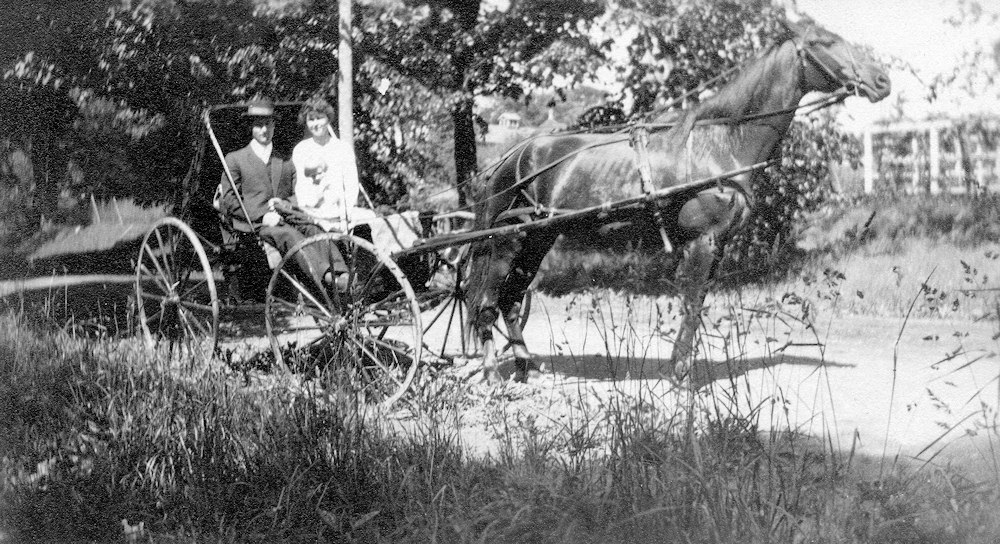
<point x="875" y="384"/>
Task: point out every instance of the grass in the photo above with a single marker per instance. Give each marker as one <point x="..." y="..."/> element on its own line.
<point x="105" y="441"/>
<point x="863" y="256"/>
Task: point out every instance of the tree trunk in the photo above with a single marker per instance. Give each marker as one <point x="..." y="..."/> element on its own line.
<point x="466" y="163"/>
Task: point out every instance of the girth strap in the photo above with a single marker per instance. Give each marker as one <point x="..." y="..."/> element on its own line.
<point x="639" y="140"/>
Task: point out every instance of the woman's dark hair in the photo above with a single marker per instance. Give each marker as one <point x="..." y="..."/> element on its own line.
<point x="319" y="105"/>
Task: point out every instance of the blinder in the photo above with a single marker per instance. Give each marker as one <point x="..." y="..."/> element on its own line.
<point x="823" y="62"/>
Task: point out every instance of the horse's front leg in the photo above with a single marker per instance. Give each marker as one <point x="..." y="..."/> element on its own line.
<point x="494" y="265"/>
<point x="483" y="325"/>
<point x="693" y="276"/>
<point x="524" y="268"/>
<point x="715" y="216"/>
<point x="525" y="367"/>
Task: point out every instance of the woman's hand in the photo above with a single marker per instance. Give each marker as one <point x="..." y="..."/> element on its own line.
<point x="271" y="219"/>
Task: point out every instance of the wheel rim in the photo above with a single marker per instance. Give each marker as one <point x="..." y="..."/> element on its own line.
<point x="176" y="300"/>
<point x="365" y="340"/>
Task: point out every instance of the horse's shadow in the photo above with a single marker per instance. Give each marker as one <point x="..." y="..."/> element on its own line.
<point x="702" y="373"/>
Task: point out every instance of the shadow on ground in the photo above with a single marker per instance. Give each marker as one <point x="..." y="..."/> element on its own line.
<point x="704" y="371"/>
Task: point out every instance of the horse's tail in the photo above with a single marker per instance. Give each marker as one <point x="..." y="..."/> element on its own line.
<point x="476" y="270"/>
<point x="490" y="201"/>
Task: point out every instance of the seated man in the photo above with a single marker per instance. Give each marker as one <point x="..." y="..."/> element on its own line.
<point x="263" y="180"/>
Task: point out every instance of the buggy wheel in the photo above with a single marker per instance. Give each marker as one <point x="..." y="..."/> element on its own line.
<point x="443" y="301"/>
<point x="446" y="311"/>
<point x="365" y="340"/>
<point x="176" y="301"/>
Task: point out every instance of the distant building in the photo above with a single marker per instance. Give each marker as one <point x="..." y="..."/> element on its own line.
<point x="509" y="120"/>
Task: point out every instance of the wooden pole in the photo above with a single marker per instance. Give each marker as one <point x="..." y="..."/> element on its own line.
<point x="345" y="85"/>
<point x="869" y="160"/>
<point x="915" y="161"/>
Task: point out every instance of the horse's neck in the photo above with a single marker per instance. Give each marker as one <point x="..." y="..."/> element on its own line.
<point x="777" y="90"/>
<point x="772" y="86"/>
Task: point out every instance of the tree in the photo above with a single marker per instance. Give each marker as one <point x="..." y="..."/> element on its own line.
<point x="684" y="48"/>
<point x="459" y="50"/>
<point x="975" y="78"/>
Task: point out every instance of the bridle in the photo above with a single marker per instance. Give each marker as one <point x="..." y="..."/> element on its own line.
<point x="806" y="54"/>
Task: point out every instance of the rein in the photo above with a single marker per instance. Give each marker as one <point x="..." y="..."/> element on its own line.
<point x="816" y="105"/>
<point x="803" y="53"/>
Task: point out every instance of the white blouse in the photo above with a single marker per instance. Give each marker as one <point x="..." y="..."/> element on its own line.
<point x="326" y="182"/>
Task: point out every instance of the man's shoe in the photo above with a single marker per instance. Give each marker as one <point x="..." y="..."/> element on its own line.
<point x="335" y="280"/>
<point x="340" y="282"/>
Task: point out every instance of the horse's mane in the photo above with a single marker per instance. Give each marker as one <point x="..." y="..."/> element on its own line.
<point x="734" y="99"/>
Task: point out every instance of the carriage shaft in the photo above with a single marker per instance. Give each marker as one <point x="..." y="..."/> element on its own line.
<point x="557" y="217"/>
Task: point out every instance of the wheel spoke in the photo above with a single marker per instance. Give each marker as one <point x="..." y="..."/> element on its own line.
<point x="186" y="271"/>
<point x="158" y="279"/>
<point x="352" y="267"/>
<point x="191" y="318"/>
<point x="374" y="359"/>
<point x="461" y="320"/>
<point x="392" y="347"/>
<point x="152" y="296"/>
<point x="157" y="316"/>
<point x="447" y="330"/>
<point x="376" y="270"/>
<point x="305" y="292"/>
<point x="168" y="280"/>
<point x="195" y="306"/>
<point x="192" y="289"/>
<point x="388" y="300"/>
<point x="440" y="311"/>
<point x="167" y="254"/>
<point x="294" y="308"/>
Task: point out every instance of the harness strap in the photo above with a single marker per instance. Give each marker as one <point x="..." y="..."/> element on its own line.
<point x="639" y="140"/>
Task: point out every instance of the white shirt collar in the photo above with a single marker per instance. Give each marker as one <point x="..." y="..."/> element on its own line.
<point x="263" y="152"/>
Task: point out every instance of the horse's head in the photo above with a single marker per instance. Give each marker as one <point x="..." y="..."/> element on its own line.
<point x="829" y="63"/>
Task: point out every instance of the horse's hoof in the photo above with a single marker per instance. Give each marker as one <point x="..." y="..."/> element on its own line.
<point x="492" y="377"/>
<point x="526" y="370"/>
<point x="679" y="376"/>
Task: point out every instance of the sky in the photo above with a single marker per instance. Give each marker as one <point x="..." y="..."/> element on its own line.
<point x="914" y="31"/>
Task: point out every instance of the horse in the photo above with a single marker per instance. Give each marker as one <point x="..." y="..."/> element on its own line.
<point x="742" y="125"/>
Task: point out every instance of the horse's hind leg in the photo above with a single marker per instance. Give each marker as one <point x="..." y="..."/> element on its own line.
<point x="523" y="270"/>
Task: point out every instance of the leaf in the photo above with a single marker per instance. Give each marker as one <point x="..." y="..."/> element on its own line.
<point x="330" y="519"/>
<point x="365" y="519"/>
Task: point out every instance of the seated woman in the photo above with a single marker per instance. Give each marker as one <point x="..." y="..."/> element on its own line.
<point x="326" y="173"/>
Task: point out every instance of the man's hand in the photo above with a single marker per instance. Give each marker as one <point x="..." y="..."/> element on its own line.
<point x="276" y="201"/>
<point x="271" y="219"/>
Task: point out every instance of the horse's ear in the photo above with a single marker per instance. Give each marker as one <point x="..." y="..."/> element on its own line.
<point x="792" y="14"/>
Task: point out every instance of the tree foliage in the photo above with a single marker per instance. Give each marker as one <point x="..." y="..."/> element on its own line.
<point x="110" y="107"/>
<point x="681" y="50"/>
<point x="460" y="50"/>
<point x="978" y="71"/>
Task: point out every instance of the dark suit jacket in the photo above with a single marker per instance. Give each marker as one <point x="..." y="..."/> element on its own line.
<point x="257" y="183"/>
